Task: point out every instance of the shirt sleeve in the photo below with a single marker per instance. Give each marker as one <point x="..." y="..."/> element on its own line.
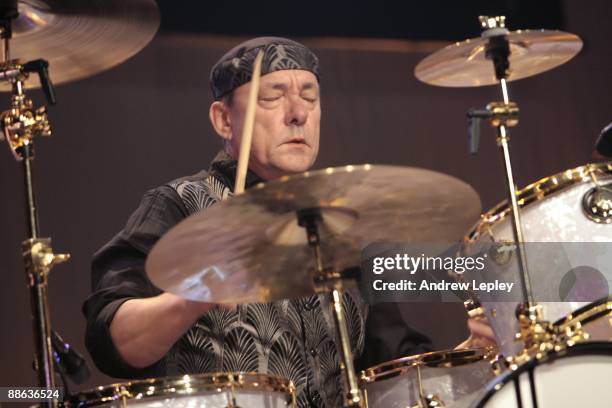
<point x="388" y="337"/>
<point x="118" y="274"/>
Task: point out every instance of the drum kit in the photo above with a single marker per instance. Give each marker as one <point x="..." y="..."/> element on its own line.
<point x="317" y="223"/>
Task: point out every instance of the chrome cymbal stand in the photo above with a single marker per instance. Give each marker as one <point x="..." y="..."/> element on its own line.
<point x="332" y="282"/>
<point x="534" y="331"/>
<point x="20" y="125"/>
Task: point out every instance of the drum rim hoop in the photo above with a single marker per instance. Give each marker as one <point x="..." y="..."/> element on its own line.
<point x="579" y="349"/>
<point x="434" y="359"/>
<point x="587" y="313"/>
<point x="176" y="385"/>
<point x="538" y="191"/>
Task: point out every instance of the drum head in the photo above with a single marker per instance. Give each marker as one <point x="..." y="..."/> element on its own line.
<point x="576" y="377"/>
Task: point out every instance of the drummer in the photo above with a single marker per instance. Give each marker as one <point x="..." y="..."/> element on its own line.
<point x="134" y="330"/>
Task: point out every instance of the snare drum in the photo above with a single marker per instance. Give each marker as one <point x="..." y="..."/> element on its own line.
<point x="219" y="390"/>
<point x="578" y="377"/>
<point x="453" y="378"/>
<point x="567" y="227"/>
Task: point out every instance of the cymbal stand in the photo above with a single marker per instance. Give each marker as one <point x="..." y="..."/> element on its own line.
<point x="534" y="331"/>
<point x="332" y="282"/>
<point x="20" y="124"/>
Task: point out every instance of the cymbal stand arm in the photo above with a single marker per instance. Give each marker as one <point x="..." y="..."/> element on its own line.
<point x="503" y="115"/>
<point x="308" y="219"/>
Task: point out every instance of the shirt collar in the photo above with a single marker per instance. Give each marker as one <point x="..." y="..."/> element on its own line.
<point x="224" y="168"/>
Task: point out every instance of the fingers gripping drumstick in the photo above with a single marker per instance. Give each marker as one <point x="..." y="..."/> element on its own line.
<point x="247" y="131"/>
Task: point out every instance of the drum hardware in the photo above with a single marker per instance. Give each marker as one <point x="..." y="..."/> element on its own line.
<point x="597" y="202"/>
<point x="503" y="115"/>
<point x="501" y="48"/>
<point x="451" y="378"/>
<point x="27" y="31"/>
<point x="227" y="390"/>
<point x="534" y="331"/>
<point x="332" y="282"/>
<point x="20" y="125"/>
<point x="516" y="55"/>
<point x="571" y="329"/>
<point x="68" y="361"/>
<point x="498" y="364"/>
<point x="476" y="311"/>
<point x="426" y="400"/>
<point x="536" y="334"/>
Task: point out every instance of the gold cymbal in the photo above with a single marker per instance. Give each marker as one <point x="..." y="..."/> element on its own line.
<point x="250" y="248"/>
<point x="80" y="38"/>
<point x="463" y="64"/>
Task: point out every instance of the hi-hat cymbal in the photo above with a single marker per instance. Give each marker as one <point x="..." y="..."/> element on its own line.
<point x="463" y="64"/>
<point x="251" y="249"/>
<point x="80" y="38"/>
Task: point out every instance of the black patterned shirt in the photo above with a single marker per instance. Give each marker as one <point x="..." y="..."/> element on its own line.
<point x="294" y="339"/>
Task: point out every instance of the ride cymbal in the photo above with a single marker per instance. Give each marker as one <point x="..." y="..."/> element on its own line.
<point x="251" y="249"/>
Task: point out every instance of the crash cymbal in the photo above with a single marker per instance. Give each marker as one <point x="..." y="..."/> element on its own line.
<point x="80" y="38"/>
<point x="250" y="248"/>
<point x="463" y="64"/>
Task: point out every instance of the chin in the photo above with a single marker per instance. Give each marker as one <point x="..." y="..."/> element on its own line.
<point x="295" y="165"/>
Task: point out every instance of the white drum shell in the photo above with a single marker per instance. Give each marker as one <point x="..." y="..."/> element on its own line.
<point x="254" y="399"/>
<point x="457" y="386"/>
<point x="557" y="218"/>
<point x="214" y="390"/>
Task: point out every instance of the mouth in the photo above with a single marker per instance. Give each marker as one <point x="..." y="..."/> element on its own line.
<point x="296" y="141"/>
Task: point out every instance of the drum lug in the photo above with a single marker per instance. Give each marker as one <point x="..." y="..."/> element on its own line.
<point x="571" y="329"/>
<point x="569" y="335"/>
<point x="536" y="334"/>
<point x="498" y="364"/>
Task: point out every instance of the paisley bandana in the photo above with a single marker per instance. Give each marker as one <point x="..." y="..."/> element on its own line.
<point x="235" y="68"/>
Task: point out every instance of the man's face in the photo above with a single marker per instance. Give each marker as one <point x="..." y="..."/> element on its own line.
<point x="287" y="121"/>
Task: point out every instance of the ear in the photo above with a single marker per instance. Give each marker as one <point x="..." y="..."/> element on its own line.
<point x="220" y="120"/>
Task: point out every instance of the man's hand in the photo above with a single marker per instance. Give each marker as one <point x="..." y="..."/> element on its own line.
<point x="481" y="335"/>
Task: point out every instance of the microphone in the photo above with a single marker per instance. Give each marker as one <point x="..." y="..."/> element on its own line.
<point x="69" y="361"/>
<point x="604" y="142"/>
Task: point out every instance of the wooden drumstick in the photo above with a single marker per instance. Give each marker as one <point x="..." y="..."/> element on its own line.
<point x="247" y="131"/>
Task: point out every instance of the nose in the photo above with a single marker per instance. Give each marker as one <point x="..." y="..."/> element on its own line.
<point x="297" y="112"/>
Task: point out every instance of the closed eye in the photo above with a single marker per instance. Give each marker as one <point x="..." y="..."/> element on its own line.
<point x="270" y="98"/>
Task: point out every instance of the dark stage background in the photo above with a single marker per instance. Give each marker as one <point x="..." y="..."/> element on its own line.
<point x="146" y="122"/>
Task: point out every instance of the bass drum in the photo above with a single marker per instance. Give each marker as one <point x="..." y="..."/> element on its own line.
<point x="578" y="377"/>
<point x="453" y="378"/>
<point x="567" y="227"/>
<point x="219" y="390"/>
